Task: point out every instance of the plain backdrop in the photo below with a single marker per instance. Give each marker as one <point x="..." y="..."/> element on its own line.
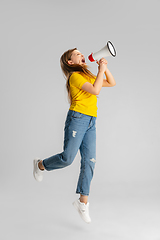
<point x="33" y="99"/>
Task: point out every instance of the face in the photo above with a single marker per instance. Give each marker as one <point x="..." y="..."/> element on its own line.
<point x="77" y="58"/>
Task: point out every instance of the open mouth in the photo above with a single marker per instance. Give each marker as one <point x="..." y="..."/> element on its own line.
<point x="83" y="60"/>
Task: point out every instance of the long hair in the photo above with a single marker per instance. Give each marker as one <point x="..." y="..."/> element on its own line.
<point x="69" y="69"/>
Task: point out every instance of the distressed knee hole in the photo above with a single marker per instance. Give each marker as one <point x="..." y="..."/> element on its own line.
<point x="93" y="160"/>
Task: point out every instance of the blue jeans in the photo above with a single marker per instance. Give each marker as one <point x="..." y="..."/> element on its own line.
<point x="80" y="133"/>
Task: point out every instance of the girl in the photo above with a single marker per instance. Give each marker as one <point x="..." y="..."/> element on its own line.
<point x="80" y="124"/>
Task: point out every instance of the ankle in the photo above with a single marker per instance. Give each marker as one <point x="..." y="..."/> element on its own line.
<point x="83" y="199"/>
<point x="40" y="165"/>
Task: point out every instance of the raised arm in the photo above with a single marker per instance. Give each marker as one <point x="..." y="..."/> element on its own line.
<point x="109" y="81"/>
<point x="96" y="87"/>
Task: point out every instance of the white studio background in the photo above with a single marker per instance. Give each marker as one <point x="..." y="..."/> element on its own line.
<point x="33" y="99"/>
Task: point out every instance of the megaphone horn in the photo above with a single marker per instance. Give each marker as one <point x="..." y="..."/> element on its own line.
<point x="107" y="50"/>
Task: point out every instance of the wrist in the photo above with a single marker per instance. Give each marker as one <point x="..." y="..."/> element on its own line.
<point x="101" y="72"/>
<point x="107" y="70"/>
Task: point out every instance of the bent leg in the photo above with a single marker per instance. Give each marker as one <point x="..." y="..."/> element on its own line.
<point x="75" y="128"/>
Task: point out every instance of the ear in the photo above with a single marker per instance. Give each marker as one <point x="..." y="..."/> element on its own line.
<point x="70" y="62"/>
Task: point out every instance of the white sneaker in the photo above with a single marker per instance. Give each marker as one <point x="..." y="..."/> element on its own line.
<point x="83" y="210"/>
<point x="37" y="173"/>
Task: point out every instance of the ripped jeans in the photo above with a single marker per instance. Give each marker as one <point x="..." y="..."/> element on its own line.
<point x="79" y="133"/>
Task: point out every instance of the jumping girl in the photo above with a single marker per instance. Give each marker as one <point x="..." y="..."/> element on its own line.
<point x="80" y="124"/>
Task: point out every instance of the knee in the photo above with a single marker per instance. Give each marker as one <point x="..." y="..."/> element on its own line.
<point x="67" y="163"/>
<point x="68" y="160"/>
<point x="92" y="162"/>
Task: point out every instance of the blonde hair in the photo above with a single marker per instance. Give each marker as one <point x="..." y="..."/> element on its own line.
<point x="69" y="69"/>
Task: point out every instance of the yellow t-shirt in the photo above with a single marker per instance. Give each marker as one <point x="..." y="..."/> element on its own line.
<point x="82" y="101"/>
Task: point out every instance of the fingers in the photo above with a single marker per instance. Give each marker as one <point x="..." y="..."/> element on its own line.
<point x="102" y="64"/>
<point x="103" y="60"/>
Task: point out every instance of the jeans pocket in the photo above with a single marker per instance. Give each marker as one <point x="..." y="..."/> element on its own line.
<point x="76" y="115"/>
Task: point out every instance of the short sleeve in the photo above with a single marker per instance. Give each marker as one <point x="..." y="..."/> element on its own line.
<point x="77" y="80"/>
<point x="93" y="80"/>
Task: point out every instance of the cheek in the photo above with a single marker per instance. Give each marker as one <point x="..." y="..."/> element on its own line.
<point x="77" y="61"/>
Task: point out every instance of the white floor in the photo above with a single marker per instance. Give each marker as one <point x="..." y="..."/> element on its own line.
<point x="44" y="215"/>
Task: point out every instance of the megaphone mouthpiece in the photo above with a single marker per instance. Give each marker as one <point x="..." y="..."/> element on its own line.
<point x="90" y="57"/>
